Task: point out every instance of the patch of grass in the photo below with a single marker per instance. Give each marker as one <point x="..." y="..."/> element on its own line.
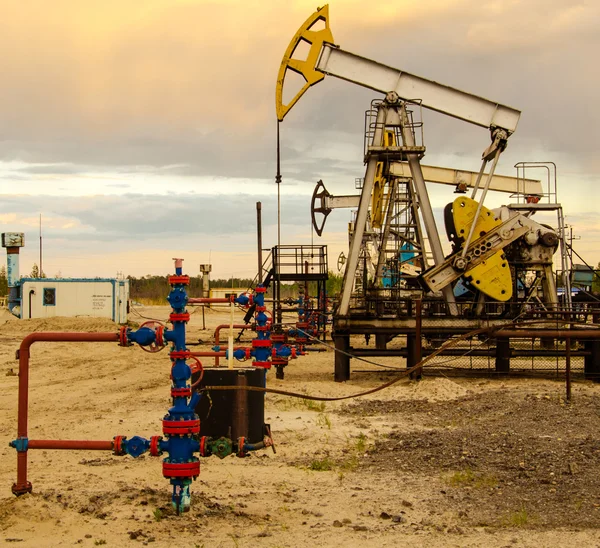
<point x="361" y="443"/>
<point x="297" y="403"/>
<point x="323" y="420"/>
<point x="461" y="477"/>
<point x="467" y="477"/>
<point x="518" y="518"/>
<point x="158" y="514"/>
<point x="312" y="405"/>
<point x="349" y="464"/>
<point x="321" y="465"/>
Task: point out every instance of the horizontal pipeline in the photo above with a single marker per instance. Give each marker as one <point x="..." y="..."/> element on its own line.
<point x="83" y="445"/>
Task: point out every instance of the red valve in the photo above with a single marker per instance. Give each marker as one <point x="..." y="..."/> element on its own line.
<point x="118" y="445"/>
<point x="154" y="447"/>
<point x="159" y="342"/>
<point x="123" y="341"/>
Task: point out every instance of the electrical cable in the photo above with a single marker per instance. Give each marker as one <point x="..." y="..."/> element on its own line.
<point x="393" y="381"/>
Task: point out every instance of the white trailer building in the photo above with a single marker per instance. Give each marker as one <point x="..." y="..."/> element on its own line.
<point x="70" y="297"/>
<point x="224" y="293"/>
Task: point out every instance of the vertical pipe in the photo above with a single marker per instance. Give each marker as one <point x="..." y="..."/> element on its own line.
<point x="502" y="355"/>
<point x="342" y="359"/>
<point x="22" y="485"/>
<point x="306" y="294"/>
<point x="230" y="338"/>
<point x="568" y="368"/>
<point x="239" y="426"/>
<point x="41" y="268"/>
<point x="418" y="373"/>
<point x="259" y="238"/>
<point x="13" y="278"/>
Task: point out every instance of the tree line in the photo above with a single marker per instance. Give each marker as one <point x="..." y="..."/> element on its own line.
<point x="153" y="289"/>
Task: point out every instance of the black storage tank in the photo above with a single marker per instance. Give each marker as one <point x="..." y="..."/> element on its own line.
<point x="232" y="413"/>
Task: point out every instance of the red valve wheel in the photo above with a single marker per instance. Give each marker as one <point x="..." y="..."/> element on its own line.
<point x="159" y="342"/>
<point x="197" y="368"/>
<point x="269" y="319"/>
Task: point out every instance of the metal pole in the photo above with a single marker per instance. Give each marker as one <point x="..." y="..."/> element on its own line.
<point x="230" y="338"/>
<point x="278" y="182"/>
<point x="480" y="204"/>
<point x="418" y="374"/>
<point x="259" y="238"/>
<point x="41" y="269"/>
<point x="478" y="181"/>
<point x="568" y="368"/>
<point x="277" y="292"/>
<point x="361" y="217"/>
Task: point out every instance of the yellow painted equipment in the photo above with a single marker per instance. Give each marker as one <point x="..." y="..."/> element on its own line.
<point x="305" y="68"/>
<point x="491" y="276"/>
<point x="377" y="198"/>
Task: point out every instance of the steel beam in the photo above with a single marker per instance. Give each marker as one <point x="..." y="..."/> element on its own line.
<point x="361" y="217"/>
<point x="434" y="96"/>
<point x="454" y="177"/>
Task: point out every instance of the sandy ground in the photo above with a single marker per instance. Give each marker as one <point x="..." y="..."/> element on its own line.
<point x="441" y="462"/>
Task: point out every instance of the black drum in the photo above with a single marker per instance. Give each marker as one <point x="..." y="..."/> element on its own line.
<point x="232" y="413"/>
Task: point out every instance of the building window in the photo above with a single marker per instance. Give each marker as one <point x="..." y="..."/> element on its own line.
<point x="49" y="296"/>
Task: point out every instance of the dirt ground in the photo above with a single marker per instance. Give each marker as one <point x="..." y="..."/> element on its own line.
<point x="440" y="462"/>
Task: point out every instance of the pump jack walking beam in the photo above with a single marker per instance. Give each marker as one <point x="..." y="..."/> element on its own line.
<point x="334" y="61"/>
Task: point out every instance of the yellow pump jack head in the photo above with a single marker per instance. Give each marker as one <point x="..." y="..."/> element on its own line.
<point x="306" y="68"/>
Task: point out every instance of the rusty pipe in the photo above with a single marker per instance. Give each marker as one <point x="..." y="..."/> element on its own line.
<point x="209" y="354"/>
<point x="556" y="333"/>
<point x="210" y="300"/>
<point x="223" y="326"/>
<point x="83" y="445"/>
<point x="23" y="407"/>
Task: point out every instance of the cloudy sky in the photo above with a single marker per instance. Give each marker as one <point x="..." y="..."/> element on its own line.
<point x="145" y="130"/>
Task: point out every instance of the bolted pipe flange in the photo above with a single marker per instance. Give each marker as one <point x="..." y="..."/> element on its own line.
<point x="460" y="263"/>
<point x="392" y="98"/>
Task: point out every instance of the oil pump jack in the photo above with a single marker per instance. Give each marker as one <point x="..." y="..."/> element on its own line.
<point x="492" y="250"/>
